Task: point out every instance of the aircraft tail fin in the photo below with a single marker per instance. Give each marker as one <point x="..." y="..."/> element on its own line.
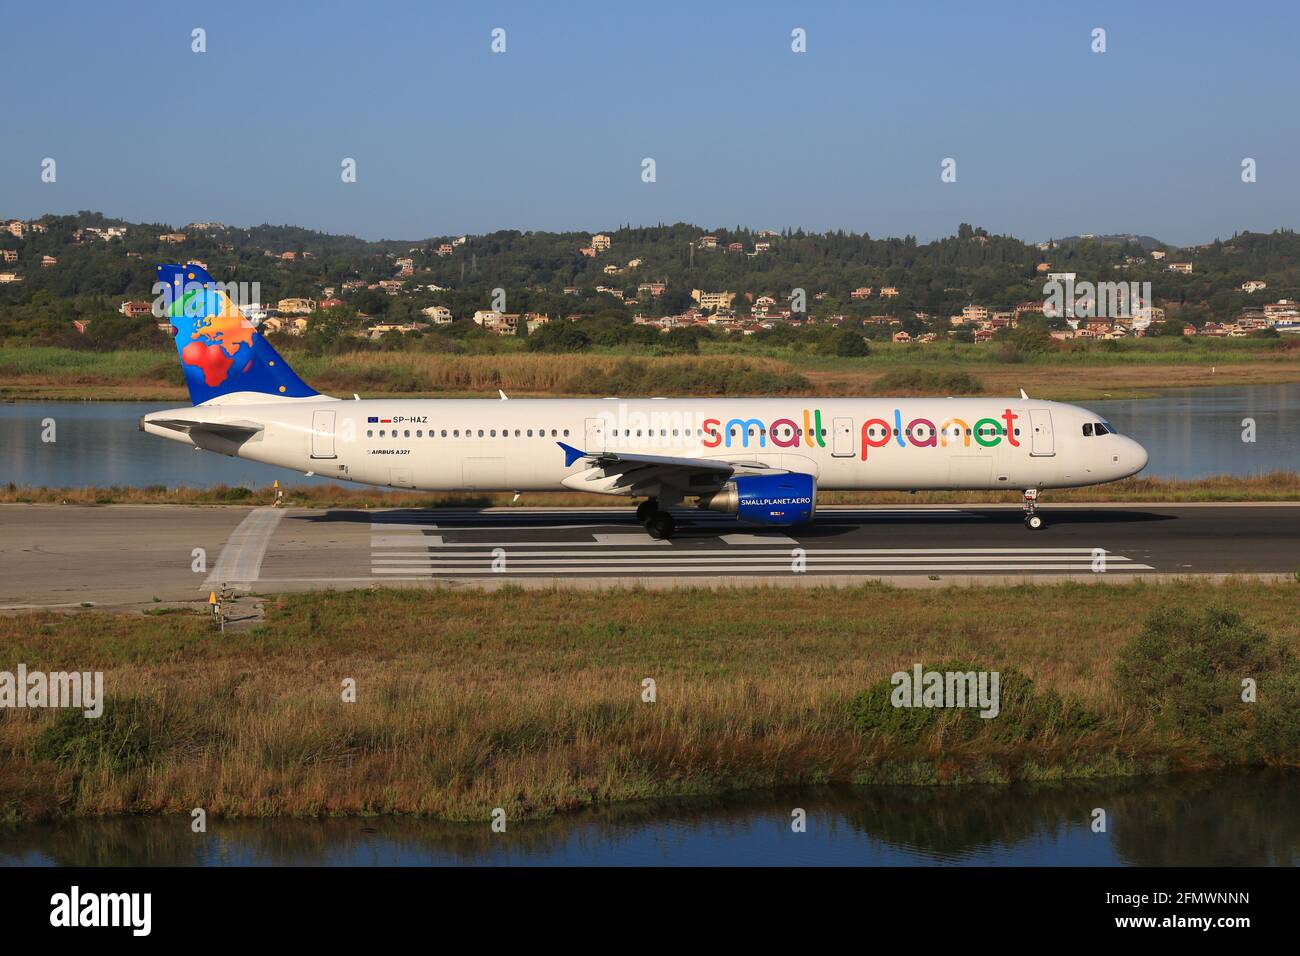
<point x="221" y="352"/>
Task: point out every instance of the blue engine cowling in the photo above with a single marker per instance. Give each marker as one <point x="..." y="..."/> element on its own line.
<point x="767" y="499"/>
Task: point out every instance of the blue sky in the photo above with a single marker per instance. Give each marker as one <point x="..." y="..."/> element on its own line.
<point x="1050" y="138"/>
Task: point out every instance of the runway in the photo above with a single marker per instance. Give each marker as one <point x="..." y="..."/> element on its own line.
<point x="66" y="556"/>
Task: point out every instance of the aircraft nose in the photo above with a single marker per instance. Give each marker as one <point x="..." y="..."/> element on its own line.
<point x="1137" y="457"/>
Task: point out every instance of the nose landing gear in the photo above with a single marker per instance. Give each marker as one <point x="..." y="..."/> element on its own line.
<point x="1033" y="520"/>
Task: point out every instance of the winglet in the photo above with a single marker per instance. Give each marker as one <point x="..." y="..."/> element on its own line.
<point x="571" y="454"/>
<point x="1023" y="395"/>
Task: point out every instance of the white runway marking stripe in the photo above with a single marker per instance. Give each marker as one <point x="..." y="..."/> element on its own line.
<point x="573" y="558"/>
<point x="487" y="547"/>
<point x="561" y="558"/>
<point x="241" y="559"/>
<point x="773" y="538"/>
<point x="561" y="570"/>
<point x="621" y="540"/>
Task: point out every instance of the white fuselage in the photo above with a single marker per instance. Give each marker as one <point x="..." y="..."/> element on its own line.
<point x="494" y="445"/>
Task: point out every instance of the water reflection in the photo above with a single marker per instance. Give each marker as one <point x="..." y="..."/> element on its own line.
<point x="1208" y="819"/>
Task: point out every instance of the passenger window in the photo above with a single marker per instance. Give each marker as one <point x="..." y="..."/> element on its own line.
<point x="370" y="433"/>
<point x="566" y="433"/>
<point x="480" y="433"/>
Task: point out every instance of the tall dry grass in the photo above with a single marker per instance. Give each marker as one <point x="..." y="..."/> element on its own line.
<point x="468" y="700"/>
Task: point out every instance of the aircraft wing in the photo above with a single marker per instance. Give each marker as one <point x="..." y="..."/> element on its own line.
<point x="630" y="471"/>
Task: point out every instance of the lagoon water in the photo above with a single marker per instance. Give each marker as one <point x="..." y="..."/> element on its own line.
<point x="1189" y="433"/>
<point x="1231" y="819"/>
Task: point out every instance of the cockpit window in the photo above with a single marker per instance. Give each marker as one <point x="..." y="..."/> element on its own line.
<point x="1110" y="428"/>
<point x="1101" y="428"/>
<point x="1087" y="429"/>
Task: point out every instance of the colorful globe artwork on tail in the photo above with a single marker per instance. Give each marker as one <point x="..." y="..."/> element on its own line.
<point x="221" y="351"/>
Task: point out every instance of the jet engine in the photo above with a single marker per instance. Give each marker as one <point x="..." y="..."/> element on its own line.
<point x="785" y="499"/>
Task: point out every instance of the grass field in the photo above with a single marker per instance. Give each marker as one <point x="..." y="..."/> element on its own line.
<point x="1133" y="370"/>
<point x="1276" y="486"/>
<point x="466" y="700"/>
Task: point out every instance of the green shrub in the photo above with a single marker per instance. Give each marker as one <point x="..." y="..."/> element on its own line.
<point x="1023" y="713"/>
<point x="1187" y="670"/>
<point x="119" y="739"/>
<point x="928" y="381"/>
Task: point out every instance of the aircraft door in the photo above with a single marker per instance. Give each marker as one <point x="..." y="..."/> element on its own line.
<point x="595" y="440"/>
<point x="1042" y="445"/>
<point x="842" y="445"/>
<point x="322" y="434"/>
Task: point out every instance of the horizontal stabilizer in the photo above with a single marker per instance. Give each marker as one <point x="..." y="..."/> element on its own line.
<point x="220" y="429"/>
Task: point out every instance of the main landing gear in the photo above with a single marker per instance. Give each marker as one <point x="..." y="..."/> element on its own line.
<point x="658" y="524"/>
<point x="1033" y="520"/>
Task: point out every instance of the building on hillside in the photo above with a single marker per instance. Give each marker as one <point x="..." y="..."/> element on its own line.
<point x="136" y="309"/>
<point x="291" y="325"/>
<point x="174" y="238"/>
<point x="1184" y="267"/>
<point x="601" y="242"/>
<point x="712" y="301"/>
<point x="296" y="306"/>
<point x="380" y="329"/>
<point x="499" y="323"/>
<point x="1283" y="310"/>
<point x="889" y="292"/>
<point x="862" y="292"/>
<point x="437" y="314"/>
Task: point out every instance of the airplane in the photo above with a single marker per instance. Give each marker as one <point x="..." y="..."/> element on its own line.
<point x="761" y="460"/>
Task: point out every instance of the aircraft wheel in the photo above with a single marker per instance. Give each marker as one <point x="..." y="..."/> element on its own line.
<point x="645" y="510"/>
<point x="661" y="525"/>
<point x="1033" y="522"/>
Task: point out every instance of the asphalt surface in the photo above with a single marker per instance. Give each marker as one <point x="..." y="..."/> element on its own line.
<point x="67" y="556"/>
